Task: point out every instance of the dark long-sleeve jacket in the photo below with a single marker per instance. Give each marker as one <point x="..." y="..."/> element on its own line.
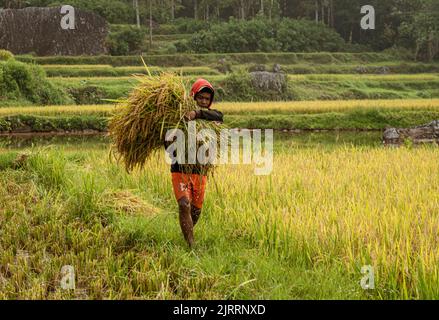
<point x="204" y="114"/>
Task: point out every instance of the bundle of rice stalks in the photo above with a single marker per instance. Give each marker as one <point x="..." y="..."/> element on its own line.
<point x="157" y="104"/>
<point x="125" y="201"/>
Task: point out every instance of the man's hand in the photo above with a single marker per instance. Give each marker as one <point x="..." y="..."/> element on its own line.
<point x="191" y="115"/>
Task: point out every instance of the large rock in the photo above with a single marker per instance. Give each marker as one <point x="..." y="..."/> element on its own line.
<point x="39" y="31"/>
<point x="269" y="81"/>
<point x="421" y="134"/>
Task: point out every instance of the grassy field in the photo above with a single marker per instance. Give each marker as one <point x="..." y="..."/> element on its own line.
<point x="311" y="76"/>
<point x="335" y="201"/>
<point x="287" y="107"/>
<point x="301" y="87"/>
<point x="60" y="70"/>
<point x="179" y="60"/>
<point x="109" y="71"/>
<point x="304" y="232"/>
<point x="354" y="114"/>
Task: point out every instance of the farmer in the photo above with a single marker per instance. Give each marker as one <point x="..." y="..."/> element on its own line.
<point x="189" y="186"/>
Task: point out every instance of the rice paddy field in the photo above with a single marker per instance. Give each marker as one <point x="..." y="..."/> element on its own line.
<point x="248" y="108"/>
<point x="311" y="76"/>
<point x="336" y="201"/>
<point x="302" y="87"/>
<point x="333" y="203"/>
<point x="288" y="115"/>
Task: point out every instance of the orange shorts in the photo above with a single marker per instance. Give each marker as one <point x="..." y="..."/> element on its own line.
<point x="191" y="186"/>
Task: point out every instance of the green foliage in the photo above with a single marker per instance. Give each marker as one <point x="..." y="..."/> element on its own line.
<point x="183" y="45"/>
<point x="5" y="55"/>
<point x="260" y="35"/>
<point x="408" y="23"/>
<point x="420" y="31"/>
<point x="32" y="123"/>
<point x="109" y="71"/>
<point x="300" y="87"/>
<point x="179" y="60"/>
<point x="236" y="36"/>
<point x="124" y="40"/>
<point x="181" y="25"/>
<point x="356" y="48"/>
<point x="23" y="81"/>
<point x="357" y="119"/>
<point x="408" y="143"/>
<point x="87" y="95"/>
<point x="189" y="25"/>
<point x="305" y="36"/>
<point x="239" y="85"/>
<point x="114" y="11"/>
<point x="351" y="119"/>
<point x="168" y="49"/>
<point x="7" y="160"/>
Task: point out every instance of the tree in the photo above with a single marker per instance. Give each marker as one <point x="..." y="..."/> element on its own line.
<point x="136" y="7"/>
<point x="426" y="30"/>
<point x="195" y="9"/>
<point x="150" y="23"/>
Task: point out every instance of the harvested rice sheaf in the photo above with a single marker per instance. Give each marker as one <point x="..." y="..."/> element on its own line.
<point x="127" y="202"/>
<point x="139" y="125"/>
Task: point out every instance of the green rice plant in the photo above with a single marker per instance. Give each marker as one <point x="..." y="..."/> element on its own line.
<point x="48" y="171"/>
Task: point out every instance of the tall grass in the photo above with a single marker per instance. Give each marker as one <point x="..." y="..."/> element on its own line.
<point x="376" y="77"/>
<point x="302" y="232"/>
<point x="287" y="107"/>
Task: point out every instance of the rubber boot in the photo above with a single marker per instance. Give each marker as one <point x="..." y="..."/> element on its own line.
<point x="186" y="224"/>
<point x="195" y="213"/>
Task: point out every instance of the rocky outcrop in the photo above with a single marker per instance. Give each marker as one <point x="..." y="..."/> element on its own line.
<point x="420" y="134"/>
<point x="269" y="81"/>
<point x="39" y="31"/>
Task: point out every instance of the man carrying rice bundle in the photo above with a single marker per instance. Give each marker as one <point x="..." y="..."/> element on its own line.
<point x="159" y="104"/>
<point x="189" y="185"/>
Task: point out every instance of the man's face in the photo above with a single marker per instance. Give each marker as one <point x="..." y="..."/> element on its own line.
<point x="203" y="99"/>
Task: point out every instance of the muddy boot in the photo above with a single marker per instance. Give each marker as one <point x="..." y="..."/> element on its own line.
<point x="186" y="223"/>
<point x="195" y="213"/>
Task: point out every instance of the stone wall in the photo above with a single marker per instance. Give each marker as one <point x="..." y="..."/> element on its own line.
<point x="421" y="134"/>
